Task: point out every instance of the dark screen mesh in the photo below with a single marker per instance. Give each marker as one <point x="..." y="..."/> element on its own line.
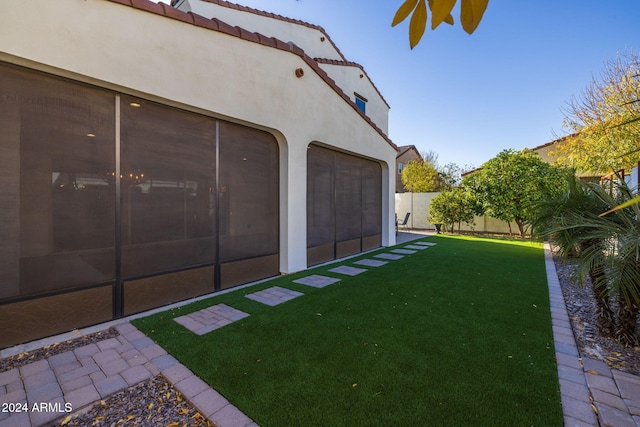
<point x="320" y="196"/>
<point x="344" y="202"/>
<point x="248" y="193"/>
<point x="348" y="197"/>
<point x="167" y="188"/>
<point x="57" y="198"/>
<point x="371" y="198"/>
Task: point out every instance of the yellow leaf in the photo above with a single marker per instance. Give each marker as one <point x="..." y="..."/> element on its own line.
<point x="440" y="10"/>
<point x="592" y="372"/>
<point x="65" y="421"/>
<point x="449" y="19"/>
<point x="179" y="396"/>
<point x="150" y="407"/>
<point x="404" y="11"/>
<point x="418" y="23"/>
<point x="173" y="424"/>
<point x="129" y="418"/>
<point x="183" y="411"/>
<point x="471" y="13"/>
<point x="594" y="408"/>
<point x="103" y="402"/>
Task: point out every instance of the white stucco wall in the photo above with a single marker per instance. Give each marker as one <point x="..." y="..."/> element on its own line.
<point x="308" y="39"/>
<point x="166" y="60"/>
<point x="349" y="78"/>
<point x="418" y="204"/>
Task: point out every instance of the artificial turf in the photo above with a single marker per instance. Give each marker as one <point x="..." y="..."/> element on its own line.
<point x="456" y="334"/>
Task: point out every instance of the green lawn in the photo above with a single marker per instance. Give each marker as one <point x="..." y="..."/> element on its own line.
<point x="455" y="335"/>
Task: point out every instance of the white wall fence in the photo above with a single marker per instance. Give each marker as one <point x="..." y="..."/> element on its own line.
<point x="418" y="205"/>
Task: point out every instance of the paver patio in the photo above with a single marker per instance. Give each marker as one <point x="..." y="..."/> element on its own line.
<point x="210" y="318"/>
<point x="392" y="257"/>
<point x="347" y="270"/>
<point x="317" y="281"/>
<point x="274" y="295"/>
<point x="371" y="262"/>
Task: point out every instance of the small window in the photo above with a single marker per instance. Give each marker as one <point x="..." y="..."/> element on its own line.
<point x="400" y="168"/>
<point x="361" y="102"/>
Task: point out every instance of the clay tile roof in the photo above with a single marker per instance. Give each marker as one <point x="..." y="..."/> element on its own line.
<point x="217" y="25"/>
<point x="236" y="6"/>
<point x="351" y="64"/>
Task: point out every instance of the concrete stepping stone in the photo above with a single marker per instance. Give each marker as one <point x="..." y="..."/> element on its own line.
<point x="349" y="271"/>
<point x="403" y="251"/>
<point x="317" y="281"/>
<point x="424" y="243"/>
<point x="392" y="257"/>
<point x="210" y="318"/>
<point x="419" y="247"/>
<point x="370" y="262"/>
<point x="274" y="295"/>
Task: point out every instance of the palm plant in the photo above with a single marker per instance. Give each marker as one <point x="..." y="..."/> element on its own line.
<point x="619" y="232"/>
<point x="560" y="219"/>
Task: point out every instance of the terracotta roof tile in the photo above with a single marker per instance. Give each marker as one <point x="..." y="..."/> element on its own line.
<point x="146" y="5"/>
<point x="220" y="26"/>
<point x="203" y="22"/>
<point x="236" y="6"/>
<point x="174" y="13"/>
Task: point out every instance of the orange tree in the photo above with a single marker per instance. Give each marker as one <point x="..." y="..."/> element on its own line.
<point x="509" y="186"/>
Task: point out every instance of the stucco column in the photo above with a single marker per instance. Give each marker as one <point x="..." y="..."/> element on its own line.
<point x="293" y="208"/>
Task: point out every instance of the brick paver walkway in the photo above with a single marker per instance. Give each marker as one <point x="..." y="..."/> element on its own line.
<point x="348" y="270"/>
<point x="210" y="318"/>
<point x="274" y="295"/>
<point x="370" y="263"/>
<point x="317" y="281"/>
<point x="87" y="374"/>
<point x="615" y="394"/>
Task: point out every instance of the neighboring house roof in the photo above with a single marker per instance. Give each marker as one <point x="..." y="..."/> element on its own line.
<point x="404" y="148"/>
<point x="350" y="64"/>
<point x="215" y="24"/>
<point x="548" y="144"/>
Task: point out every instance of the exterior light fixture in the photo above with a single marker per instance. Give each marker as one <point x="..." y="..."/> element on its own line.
<point x="299" y="72"/>
<point x="135" y="104"/>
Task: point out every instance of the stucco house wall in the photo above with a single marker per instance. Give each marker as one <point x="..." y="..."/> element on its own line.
<point x="315" y="42"/>
<point x="183" y="60"/>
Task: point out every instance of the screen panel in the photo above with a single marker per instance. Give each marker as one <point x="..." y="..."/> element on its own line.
<point x="167" y="188"/>
<point x="58" y="137"/>
<point x="248" y="193"/>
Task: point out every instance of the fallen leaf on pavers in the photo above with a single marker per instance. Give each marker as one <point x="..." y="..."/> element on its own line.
<point x="102" y="402"/>
<point x="594" y="408"/>
<point x="173" y="424"/>
<point x="179" y="396"/>
<point x="183" y="411"/>
<point x="592" y="372"/>
<point x="65" y="421"/>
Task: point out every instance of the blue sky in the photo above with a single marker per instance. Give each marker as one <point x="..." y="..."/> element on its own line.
<point x="468" y="97"/>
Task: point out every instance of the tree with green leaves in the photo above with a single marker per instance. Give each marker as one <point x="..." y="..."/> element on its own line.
<point x="509" y="185"/>
<point x="605" y="120"/>
<point x="454" y="206"/>
<point x="471" y="12"/>
<point x="421" y="176"/>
